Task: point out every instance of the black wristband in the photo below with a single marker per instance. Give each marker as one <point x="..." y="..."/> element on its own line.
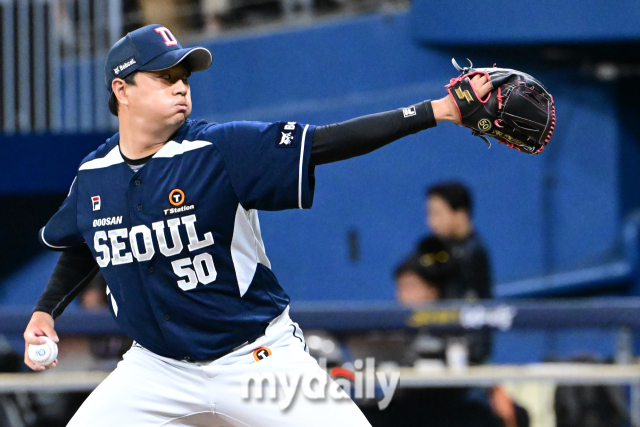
<point x="431" y="117"/>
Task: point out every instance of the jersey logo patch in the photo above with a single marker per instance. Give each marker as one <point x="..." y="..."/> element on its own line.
<point x="180" y="209"/>
<point x="409" y="111"/>
<point x="261" y="353"/>
<point x="124" y="66"/>
<point x="113" y="220"/>
<point x="287" y="135"/>
<point x="95" y="202"/>
<point x="286" y="138"/>
<point x="177" y="198"/>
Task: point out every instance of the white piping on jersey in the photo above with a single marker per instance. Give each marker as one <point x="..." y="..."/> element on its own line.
<point x="71" y="188"/>
<point x="172" y="148"/>
<point x="47" y="243"/>
<point x="304" y="136"/>
<point x="247" y="248"/>
<point x="113" y="158"/>
<point x="113" y="301"/>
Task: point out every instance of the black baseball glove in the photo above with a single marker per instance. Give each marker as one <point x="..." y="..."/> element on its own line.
<point x="518" y="111"/>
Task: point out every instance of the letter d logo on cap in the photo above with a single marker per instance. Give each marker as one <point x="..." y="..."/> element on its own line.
<point x="169" y="40"/>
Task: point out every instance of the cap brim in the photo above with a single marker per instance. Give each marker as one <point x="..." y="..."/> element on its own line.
<point x="194" y="59"/>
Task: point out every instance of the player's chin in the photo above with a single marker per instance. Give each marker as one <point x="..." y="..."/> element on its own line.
<point x="180" y="117"/>
<point x="185" y="112"/>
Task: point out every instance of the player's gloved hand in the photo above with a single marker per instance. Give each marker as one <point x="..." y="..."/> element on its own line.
<point x="518" y="111"/>
<point x="445" y="109"/>
<point x="41" y="324"/>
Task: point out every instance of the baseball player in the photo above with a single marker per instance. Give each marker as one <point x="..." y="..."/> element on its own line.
<point x="167" y="209"/>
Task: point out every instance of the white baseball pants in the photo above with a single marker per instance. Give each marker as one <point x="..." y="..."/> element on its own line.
<point x="147" y="390"/>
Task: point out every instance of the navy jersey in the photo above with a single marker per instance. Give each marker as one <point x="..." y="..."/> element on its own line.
<point x="178" y="241"/>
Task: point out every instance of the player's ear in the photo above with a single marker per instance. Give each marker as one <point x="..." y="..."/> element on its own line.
<point x="118" y="88"/>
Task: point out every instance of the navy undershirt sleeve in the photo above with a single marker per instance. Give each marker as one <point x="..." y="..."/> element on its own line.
<point x="362" y="135"/>
<point x="73" y="272"/>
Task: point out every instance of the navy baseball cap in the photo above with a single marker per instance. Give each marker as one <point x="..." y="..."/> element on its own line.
<point x="152" y="48"/>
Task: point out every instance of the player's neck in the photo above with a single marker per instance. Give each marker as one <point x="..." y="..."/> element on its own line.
<point x="138" y="140"/>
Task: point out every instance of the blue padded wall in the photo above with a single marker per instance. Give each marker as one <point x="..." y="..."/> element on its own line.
<point x="43" y="163"/>
<point x="468" y="22"/>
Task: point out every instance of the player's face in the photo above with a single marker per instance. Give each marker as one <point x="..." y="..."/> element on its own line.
<point x="162" y="96"/>
<point x="440" y="217"/>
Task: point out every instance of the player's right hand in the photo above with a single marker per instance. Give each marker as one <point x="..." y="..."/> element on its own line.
<point x="41" y="324"/>
<point x="482" y="85"/>
<point x="445" y="108"/>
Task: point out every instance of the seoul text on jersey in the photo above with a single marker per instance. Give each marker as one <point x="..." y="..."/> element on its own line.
<point x="112" y="248"/>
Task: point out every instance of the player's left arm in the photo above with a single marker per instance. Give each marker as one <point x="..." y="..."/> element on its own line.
<point x="362" y="135"/>
<point x="271" y="165"/>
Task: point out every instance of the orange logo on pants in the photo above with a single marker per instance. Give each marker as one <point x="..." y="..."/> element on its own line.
<point x="261" y="353"/>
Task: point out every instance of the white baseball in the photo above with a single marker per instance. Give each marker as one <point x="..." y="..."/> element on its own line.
<point x="43" y="354"/>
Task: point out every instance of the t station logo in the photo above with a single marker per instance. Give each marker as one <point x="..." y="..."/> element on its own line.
<point x="177" y="199"/>
<point x="261" y="353"/>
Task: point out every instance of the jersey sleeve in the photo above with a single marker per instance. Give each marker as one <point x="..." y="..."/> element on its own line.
<point x="61" y="232"/>
<point x="268" y="163"/>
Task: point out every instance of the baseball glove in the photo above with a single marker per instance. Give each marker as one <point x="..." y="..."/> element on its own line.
<point x="518" y="111"/>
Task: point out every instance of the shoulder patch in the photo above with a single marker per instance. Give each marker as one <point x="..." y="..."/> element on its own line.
<point x="286" y="137"/>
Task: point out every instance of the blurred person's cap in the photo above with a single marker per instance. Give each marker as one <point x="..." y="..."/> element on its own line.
<point x="432" y="262"/>
<point x="152" y="48"/>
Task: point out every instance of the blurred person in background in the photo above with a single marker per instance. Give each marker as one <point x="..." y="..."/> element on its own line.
<point x="425" y="278"/>
<point x="449" y="207"/>
<point x="413" y="285"/>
